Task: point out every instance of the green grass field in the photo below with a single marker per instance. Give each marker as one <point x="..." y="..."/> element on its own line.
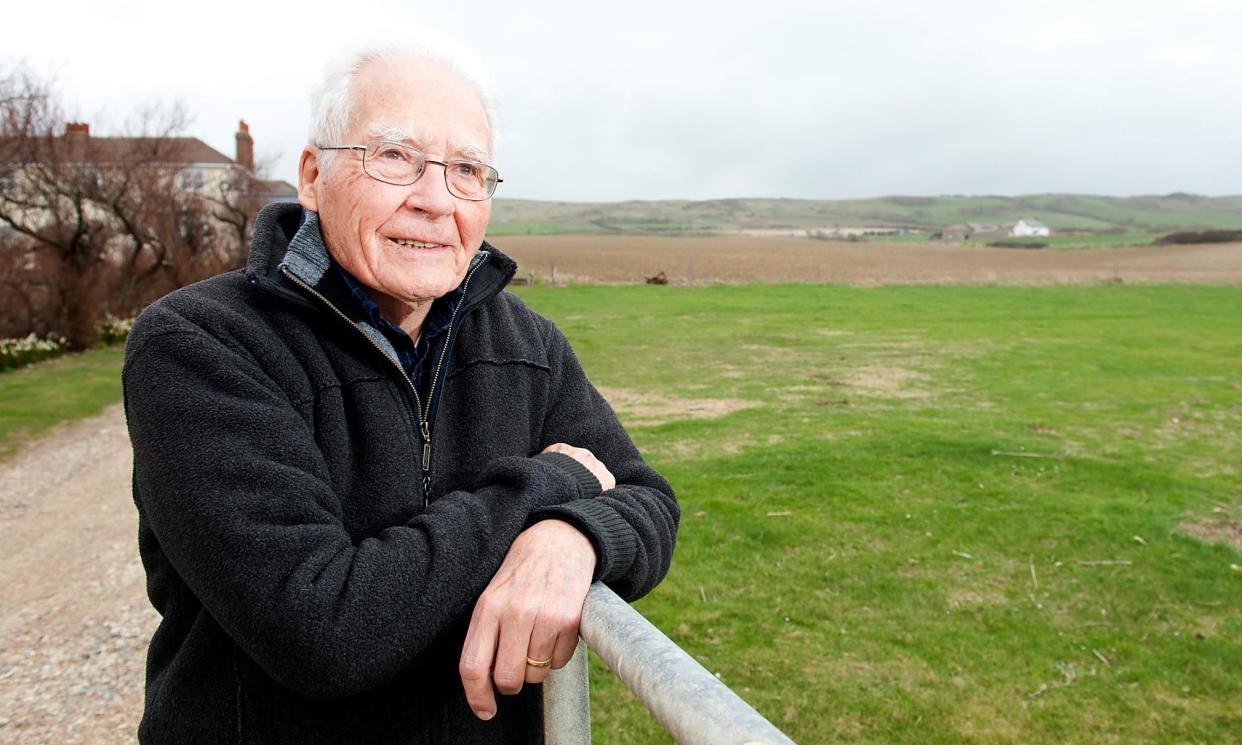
<point x="917" y="514"/>
<point x="1054" y="242"/>
<point x="1099" y="214"/>
<point x="941" y="514"/>
<point x="1085" y="242"/>
<point x="34" y="398"/>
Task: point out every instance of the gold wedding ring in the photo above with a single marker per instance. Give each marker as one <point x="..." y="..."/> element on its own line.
<point x="539" y="663"/>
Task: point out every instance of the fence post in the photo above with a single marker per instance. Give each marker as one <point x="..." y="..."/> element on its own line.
<point x="567" y="702"/>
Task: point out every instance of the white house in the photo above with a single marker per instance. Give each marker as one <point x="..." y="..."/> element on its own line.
<point x="1028" y="227"/>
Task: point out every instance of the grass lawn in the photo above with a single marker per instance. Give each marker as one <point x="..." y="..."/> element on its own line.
<point x="34" y="398"/>
<point x="915" y="514"/>
<point x="940" y="514"/>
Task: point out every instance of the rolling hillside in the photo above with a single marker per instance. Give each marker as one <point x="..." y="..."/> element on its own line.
<point x="1142" y="214"/>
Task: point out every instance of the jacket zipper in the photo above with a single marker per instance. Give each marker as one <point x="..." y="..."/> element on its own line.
<point x="421" y="413"/>
<point x="435" y="375"/>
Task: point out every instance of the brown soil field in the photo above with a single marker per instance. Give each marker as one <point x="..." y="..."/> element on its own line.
<point x="626" y="259"/>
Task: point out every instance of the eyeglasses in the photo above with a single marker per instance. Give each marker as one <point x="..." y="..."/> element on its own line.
<point x="402" y="165"/>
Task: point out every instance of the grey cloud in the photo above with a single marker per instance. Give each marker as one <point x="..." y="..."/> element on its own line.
<point x="796" y="99"/>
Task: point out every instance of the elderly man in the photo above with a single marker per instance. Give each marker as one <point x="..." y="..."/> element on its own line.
<point x="373" y="487"/>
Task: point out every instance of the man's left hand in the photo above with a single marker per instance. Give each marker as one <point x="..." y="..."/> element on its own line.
<point x="530" y="609"/>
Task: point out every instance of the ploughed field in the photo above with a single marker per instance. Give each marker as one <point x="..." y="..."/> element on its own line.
<point x="628" y="259"/>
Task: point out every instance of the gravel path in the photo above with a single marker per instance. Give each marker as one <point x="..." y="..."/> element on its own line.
<point x="74" y="617"/>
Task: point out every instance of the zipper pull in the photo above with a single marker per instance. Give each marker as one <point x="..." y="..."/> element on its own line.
<point x="426" y="430"/>
<point x="426" y="447"/>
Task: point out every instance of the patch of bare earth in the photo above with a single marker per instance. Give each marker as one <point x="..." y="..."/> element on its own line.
<point x="887" y="381"/>
<point x="648" y="409"/>
<point x="74" y="618"/>
<point x="630" y="259"/>
<point x="1223" y="526"/>
<point x="966" y="598"/>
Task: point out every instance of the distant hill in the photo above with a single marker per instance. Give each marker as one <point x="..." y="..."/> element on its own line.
<point x="1143" y="214"/>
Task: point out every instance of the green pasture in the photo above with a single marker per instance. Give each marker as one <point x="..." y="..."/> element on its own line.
<point x="1079" y="212"/>
<point x="1054" y="242"/>
<point x="1084" y="242"/>
<point x="916" y="514"/>
<point x="34" y="398"/>
<point x="940" y="514"/>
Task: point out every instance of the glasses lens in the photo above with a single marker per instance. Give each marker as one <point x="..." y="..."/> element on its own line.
<point x="393" y="163"/>
<point x="470" y="180"/>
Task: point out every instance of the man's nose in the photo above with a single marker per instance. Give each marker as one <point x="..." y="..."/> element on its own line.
<point x="430" y="193"/>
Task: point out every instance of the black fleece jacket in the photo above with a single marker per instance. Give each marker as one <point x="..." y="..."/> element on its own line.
<point x="312" y="590"/>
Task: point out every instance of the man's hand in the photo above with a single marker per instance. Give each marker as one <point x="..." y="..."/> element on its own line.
<point x="530" y="609"/>
<point x="587" y="458"/>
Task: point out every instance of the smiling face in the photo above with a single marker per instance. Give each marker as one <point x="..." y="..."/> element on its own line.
<point x="407" y="244"/>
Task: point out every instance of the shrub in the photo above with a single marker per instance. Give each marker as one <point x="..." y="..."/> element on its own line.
<point x="1017" y="243"/>
<point x="1201" y="236"/>
<point x="15" y="353"/>
<point x="113" y="330"/>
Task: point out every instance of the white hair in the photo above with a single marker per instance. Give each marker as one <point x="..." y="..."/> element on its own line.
<point x="333" y="99"/>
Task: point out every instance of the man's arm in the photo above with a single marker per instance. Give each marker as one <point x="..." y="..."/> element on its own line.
<point x="533" y="606"/>
<point x="633" y="526"/>
<point x="229" y="479"/>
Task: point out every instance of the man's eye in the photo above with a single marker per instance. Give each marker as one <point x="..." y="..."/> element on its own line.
<point x="395" y="154"/>
<point x="465" y="169"/>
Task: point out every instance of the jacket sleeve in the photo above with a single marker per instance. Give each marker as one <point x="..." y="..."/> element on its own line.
<point x="229" y="480"/>
<point x="633" y="526"/>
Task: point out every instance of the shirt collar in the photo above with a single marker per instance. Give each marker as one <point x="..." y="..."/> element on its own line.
<point x="438" y="317"/>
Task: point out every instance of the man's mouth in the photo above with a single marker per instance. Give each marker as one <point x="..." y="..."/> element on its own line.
<point x="416" y="244"/>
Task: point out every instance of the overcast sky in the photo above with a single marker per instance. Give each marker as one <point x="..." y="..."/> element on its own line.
<point x="698" y="100"/>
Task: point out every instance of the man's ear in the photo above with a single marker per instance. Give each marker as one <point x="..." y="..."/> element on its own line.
<point x="308" y="180"/>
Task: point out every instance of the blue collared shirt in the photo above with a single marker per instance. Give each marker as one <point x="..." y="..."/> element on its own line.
<point x="413" y="356"/>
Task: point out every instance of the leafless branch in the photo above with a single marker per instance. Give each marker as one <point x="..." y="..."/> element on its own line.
<point x="109" y="215"/>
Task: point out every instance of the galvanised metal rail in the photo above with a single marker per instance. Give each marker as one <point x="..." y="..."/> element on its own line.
<point x="691" y="703"/>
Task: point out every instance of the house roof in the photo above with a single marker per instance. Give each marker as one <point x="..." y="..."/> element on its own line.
<point x="118" y="150"/>
<point x="275" y="189"/>
<point x="1033" y="222"/>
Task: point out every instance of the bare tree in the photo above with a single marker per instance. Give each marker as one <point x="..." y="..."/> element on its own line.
<point x="104" y="224"/>
<point x="234" y="202"/>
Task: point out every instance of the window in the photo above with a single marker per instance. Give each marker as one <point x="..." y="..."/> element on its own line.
<point x="191" y="179"/>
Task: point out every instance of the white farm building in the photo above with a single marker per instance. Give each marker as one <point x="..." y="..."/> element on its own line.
<point x="1028" y="227"/>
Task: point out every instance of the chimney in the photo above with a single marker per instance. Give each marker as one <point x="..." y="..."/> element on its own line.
<point x="245" y="146"/>
<point x="76" y="135"/>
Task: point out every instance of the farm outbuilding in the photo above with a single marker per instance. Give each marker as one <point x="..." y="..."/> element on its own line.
<point x="980" y="231"/>
<point x="971" y="231"/>
<point x="1028" y="227"/>
<point x="953" y="233"/>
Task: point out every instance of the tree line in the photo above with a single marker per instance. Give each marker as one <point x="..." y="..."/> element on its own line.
<point x="92" y="228"/>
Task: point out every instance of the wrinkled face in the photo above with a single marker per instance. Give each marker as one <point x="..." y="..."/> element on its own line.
<point x="407" y="244"/>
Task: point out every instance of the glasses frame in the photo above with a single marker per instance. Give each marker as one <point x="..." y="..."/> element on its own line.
<point x="442" y="163"/>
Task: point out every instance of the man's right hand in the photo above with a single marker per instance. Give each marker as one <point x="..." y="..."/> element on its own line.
<point x="529" y="611"/>
<point x="587" y="458"/>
